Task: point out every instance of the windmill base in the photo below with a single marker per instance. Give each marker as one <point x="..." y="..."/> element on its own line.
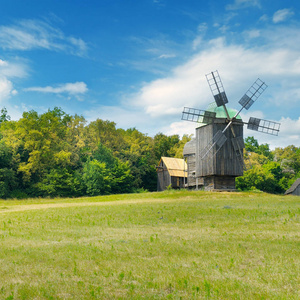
<point x="218" y="183"/>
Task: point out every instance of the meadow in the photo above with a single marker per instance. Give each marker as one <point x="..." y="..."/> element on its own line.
<point x="169" y="245"/>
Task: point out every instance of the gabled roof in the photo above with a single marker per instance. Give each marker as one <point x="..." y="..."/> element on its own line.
<point x="293" y="187"/>
<point x="175" y="166"/>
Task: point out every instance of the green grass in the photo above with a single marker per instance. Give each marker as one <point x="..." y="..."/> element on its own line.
<point x="170" y="245"/>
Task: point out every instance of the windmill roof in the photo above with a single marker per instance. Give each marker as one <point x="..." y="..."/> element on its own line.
<point x="175" y="166"/>
<point x="220" y="111"/>
<point x="293" y="187"/>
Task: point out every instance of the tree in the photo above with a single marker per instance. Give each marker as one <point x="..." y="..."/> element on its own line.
<point x="8" y="178"/>
<point x="96" y="178"/>
<point x="165" y="145"/>
<point x="140" y="156"/>
<point x="4" y="117"/>
<point x="119" y="172"/>
<point x="251" y="145"/>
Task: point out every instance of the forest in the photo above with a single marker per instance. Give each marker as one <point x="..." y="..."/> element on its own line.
<point x="55" y="154"/>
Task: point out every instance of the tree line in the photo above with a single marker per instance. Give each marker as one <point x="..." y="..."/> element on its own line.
<point x="269" y="171"/>
<point x="56" y="154"/>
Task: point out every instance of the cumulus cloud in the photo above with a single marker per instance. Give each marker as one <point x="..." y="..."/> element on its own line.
<point x="8" y="71"/>
<point x="240" y="66"/>
<point x="282" y="15"/>
<point x="37" y="34"/>
<point x="159" y="103"/>
<point x="6" y="88"/>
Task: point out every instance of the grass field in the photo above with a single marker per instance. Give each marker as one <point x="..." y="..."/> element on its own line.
<point x="170" y="245"/>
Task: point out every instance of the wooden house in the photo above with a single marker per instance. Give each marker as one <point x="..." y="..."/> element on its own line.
<point x="171" y="172"/>
<point x="294" y="189"/>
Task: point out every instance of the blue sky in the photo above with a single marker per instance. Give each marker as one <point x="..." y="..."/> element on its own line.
<point x="139" y="62"/>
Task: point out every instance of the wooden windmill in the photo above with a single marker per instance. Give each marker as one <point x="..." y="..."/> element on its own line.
<point x="218" y="148"/>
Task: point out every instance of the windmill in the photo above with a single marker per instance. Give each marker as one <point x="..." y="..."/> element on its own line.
<point x="217" y="153"/>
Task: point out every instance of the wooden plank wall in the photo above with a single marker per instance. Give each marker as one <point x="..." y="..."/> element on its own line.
<point x="225" y="162"/>
<point x="163" y="180"/>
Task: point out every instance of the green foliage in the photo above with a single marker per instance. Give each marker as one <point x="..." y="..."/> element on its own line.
<point x="4" y="115"/>
<point x="96" y="178"/>
<point x="265" y="178"/>
<point x="8" y="179"/>
<point x="251" y="145"/>
<point x="269" y="171"/>
<point x="165" y="145"/>
<point x="56" y="154"/>
<point x="119" y="172"/>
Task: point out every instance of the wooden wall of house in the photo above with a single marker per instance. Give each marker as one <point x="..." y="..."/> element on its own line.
<point x="163" y="180"/>
<point x="219" y="183"/>
<point x="177" y="182"/>
<point x="191" y="170"/>
<point x="225" y="162"/>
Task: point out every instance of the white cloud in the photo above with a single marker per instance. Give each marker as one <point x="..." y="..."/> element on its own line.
<point x="180" y="128"/>
<point x="264" y="18"/>
<point x="35" y="34"/>
<point x="252" y="34"/>
<point x="167" y="56"/>
<point x="239" y="4"/>
<point x="6" y="88"/>
<point x="158" y="104"/>
<point x="10" y="70"/>
<point x="187" y="86"/>
<point x="76" y="88"/>
<point x="282" y="15"/>
<point x="13" y="69"/>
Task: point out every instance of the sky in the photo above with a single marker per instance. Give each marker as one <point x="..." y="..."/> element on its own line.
<point x="138" y="63"/>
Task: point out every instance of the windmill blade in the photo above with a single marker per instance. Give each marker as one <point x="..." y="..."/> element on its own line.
<point x="216" y="87"/>
<point x="264" y="126"/>
<point x="218" y="140"/>
<point x="253" y="93"/>
<point x="197" y="115"/>
<point x="238" y="143"/>
<point x="238" y="146"/>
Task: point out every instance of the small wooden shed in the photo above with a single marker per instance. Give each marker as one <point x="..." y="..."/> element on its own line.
<point x="171" y="172"/>
<point x="294" y="189"/>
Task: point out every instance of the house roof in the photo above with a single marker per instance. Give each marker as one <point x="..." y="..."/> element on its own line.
<point x="293" y="187"/>
<point x="175" y="166"/>
<point x="189" y="147"/>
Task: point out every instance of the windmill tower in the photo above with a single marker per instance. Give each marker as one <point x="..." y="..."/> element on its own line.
<point x="217" y="154"/>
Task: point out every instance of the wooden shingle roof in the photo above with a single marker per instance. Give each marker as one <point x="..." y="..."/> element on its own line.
<point x="175" y="166"/>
